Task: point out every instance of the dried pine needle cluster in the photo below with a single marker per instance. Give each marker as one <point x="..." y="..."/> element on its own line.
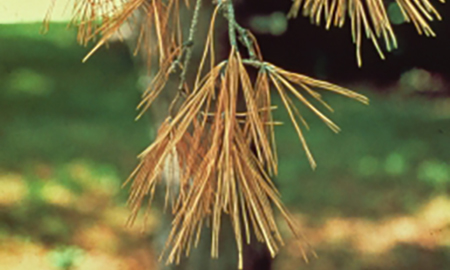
<point x="216" y="150"/>
<point x="369" y="16"/>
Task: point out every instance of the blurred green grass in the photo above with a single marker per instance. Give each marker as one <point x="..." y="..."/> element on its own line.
<point x="55" y="108"/>
<point x="68" y="139"/>
<point x="389" y="158"/>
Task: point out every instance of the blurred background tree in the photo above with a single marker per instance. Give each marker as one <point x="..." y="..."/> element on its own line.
<point x="379" y="199"/>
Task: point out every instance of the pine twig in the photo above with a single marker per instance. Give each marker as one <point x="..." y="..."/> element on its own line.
<point x="187" y="46"/>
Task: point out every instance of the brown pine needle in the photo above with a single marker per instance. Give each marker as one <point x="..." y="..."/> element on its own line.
<point x="369" y="16"/>
<point x="219" y="174"/>
<point x="284" y="80"/>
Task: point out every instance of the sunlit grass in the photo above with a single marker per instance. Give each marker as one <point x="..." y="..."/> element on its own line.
<point x="88" y="224"/>
<point x="54" y="193"/>
<point x="386" y="243"/>
<point x="13" y="189"/>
